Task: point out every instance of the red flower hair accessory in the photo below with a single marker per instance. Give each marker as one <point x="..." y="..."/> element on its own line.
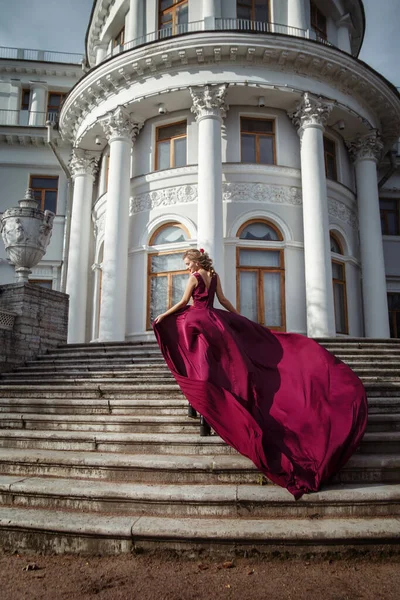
<point x="201" y="250"/>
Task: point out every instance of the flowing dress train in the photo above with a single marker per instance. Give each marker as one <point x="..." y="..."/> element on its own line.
<point x="280" y="399"/>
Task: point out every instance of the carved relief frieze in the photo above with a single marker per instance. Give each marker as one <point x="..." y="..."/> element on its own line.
<point x="261" y="192"/>
<point x="182" y="194"/>
<point x="341" y="211"/>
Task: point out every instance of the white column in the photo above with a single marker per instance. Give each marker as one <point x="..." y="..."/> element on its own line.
<point x="83" y="166"/>
<point x="366" y="151"/>
<point x="297" y="14"/>
<point x="310" y="118"/>
<point x="38" y="108"/>
<point x="120" y="132"/>
<point x="344" y="29"/>
<point x="210" y="108"/>
<point x="210" y="13"/>
<point x="101" y="51"/>
<point x="134" y="25"/>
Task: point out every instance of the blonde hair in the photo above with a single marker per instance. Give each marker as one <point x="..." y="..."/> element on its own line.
<point x="202" y="258"/>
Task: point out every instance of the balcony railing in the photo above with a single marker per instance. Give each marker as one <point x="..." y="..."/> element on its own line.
<point x="41" y="55"/>
<point x="211" y="24"/>
<point x="26" y="118"/>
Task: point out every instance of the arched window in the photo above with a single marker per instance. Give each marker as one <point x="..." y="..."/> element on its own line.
<point x="339" y="286"/>
<point x="167" y="276"/>
<point x="261" y="274"/>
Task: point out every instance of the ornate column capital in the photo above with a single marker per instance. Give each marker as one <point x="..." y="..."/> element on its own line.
<point x="119" y="124"/>
<point x="83" y="162"/>
<point x="312" y="111"/>
<point x="209" y="101"/>
<point x="366" y="147"/>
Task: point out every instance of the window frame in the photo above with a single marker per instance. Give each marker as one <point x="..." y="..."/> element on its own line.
<point x="172" y="145"/>
<point x="333" y="155"/>
<point x="119" y="39"/>
<point x="258" y="135"/>
<point x="315" y="15"/>
<point x="173" y="10"/>
<point x="51" y="109"/>
<point x="253" y="10"/>
<point x="341" y="282"/>
<point x="44" y="190"/>
<point x="267" y="246"/>
<point x="23" y="105"/>
<point x="35" y="281"/>
<point x="385" y="211"/>
<point x="395" y="315"/>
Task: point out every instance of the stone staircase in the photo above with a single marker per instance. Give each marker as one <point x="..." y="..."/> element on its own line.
<point x="97" y="455"/>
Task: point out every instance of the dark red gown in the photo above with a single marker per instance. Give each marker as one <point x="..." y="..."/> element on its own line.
<point x="280" y="399"/>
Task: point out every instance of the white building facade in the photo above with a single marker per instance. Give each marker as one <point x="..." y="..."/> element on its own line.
<point x="248" y="128"/>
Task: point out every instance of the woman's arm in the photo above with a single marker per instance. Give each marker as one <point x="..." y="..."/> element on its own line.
<point x="191" y="284"/>
<point x="224" y="301"/>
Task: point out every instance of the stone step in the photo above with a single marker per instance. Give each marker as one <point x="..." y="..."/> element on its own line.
<point x="163" y="443"/>
<point x="93" y="360"/>
<point x="71" y="355"/>
<point x="101" y="423"/>
<point x="30" y="529"/>
<point x="140" y="423"/>
<point x="90" y="366"/>
<point x="139" y="443"/>
<point x="187" y="500"/>
<point x="90" y="380"/>
<point x="166" y="405"/>
<point x="89" y="375"/>
<point x="171" y="469"/>
<point x="91" y="390"/>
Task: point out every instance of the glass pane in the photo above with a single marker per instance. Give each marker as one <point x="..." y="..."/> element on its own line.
<point x="170" y="235"/>
<point x="182" y="15"/>
<point x="243" y="13"/>
<point x="261" y="11"/>
<point x="175" y="130"/>
<point x="392" y="223"/>
<point x="42" y="283"/>
<point x="335" y="246"/>
<point x="266" y="150"/>
<point x="387" y="204"/>
<point x="258" y="231"/>
<point x="337" y="271"/>
<point x="158" y="296"/>
<point x="54" y="100"/>
<point x="163" y="155"/>
<point x="257" y="125"/>
<point x="330" y="164"/>
<point x="329" y="146"/>
<point x="248" y="148"/>
<point x="167" y="262"/>
<point x="272" y="299"/>
<point x="340" y="313"/>
<point x="50" y="201"/>
<point x="394" y="301"/>
<point x="44" y="183"/>
<point x="248" y="295"/>
<point x="180" y="152"/>
<point x="178" y="287"/>
<point x="259" y="258"/>
<point x="166" y="4"/>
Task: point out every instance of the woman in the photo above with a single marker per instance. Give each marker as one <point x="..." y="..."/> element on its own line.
<point x="280" y="399"/>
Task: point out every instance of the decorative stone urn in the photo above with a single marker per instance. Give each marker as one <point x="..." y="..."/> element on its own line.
<point x="26" y="234"/>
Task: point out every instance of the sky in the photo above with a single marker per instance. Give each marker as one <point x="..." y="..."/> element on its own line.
<point x="61" y="25"/>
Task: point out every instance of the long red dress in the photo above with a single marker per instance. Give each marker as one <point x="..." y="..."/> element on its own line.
<point x="280" y="399"/>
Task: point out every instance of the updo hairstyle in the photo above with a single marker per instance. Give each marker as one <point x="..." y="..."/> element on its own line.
<point x="201" y="258"/>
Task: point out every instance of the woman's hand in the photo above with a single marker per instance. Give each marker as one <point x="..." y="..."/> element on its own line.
<point x="158" y="319"/>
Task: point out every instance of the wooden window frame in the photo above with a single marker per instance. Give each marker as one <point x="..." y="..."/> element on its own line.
<point x="341" y="282"/>
<point x="315" y="15"/>
<point x="260" y="284"/>
<point x="394" y="315"/>
<point x="165" y="226"/>
<point x="36" y="281"/>
<point x="172" y="143"/>
<point x="51" y="109"/>
<point x="23" y="105"/>
<point x="384" y="214"/>
<point x="173" y="10"/>
<point x="119" y="39"/>
<point x="264" y="222"/>
<point x="333" y="155"/>
<point x="44" y="190"/>
<point x="258" y="135"/>
<point x="253" y="9"/>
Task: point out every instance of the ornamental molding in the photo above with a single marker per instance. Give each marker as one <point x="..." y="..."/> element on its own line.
<point x="366" y="147"/>
<point x="342" y="212"/>
<point x="83" y="162"/>
<point x="209" y="101"/>
<point x="98" y="226"/>
<point x="283" y="54"/>
<point x="311" y="111"/>
<point x="119" y="124"/>
<point x="261" y="192"/>
<point x="181" y="194"/>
